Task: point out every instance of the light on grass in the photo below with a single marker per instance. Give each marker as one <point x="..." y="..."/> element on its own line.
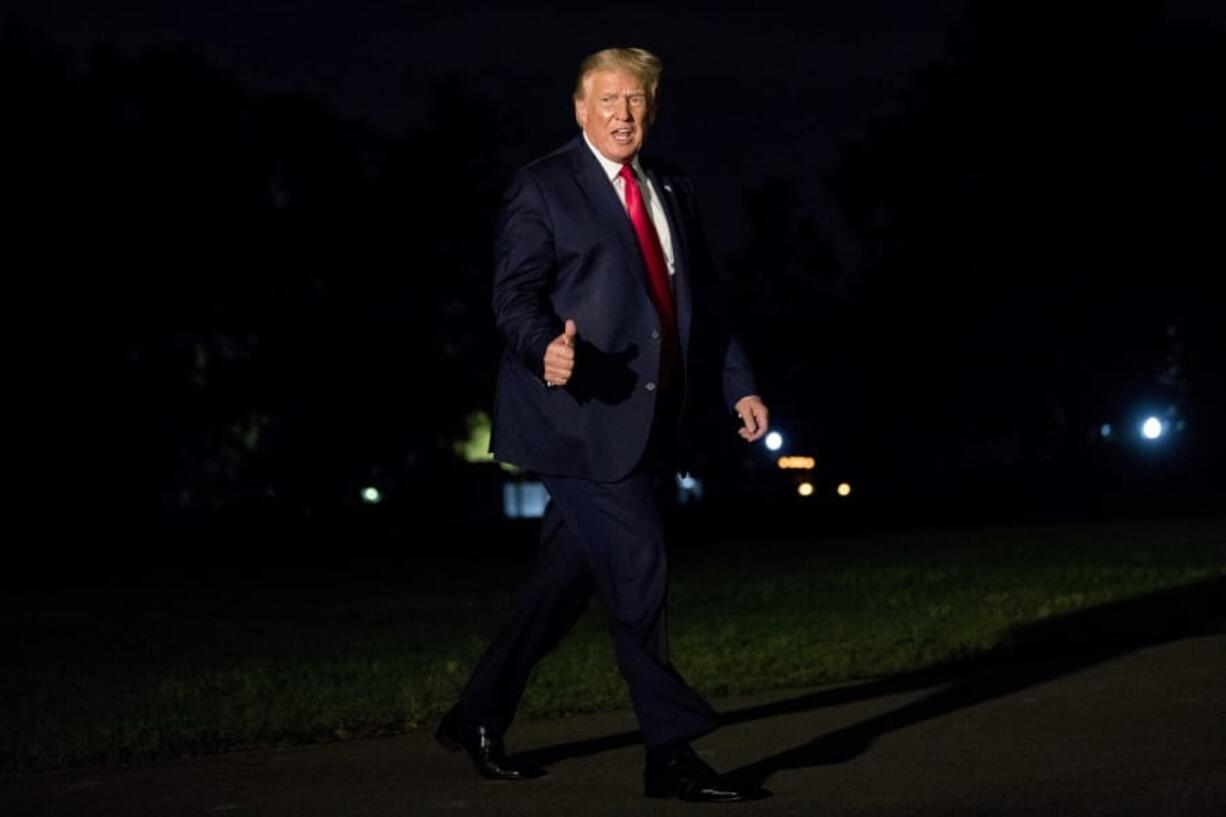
<point x="805" y="489"/>
<point x="774" y="441"/>
<point x="371" y="495"/>
<point x="844" y="489"/>
<point x="898" y="603"/>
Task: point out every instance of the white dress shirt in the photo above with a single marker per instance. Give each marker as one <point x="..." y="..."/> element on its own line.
<point x="650" y="198"/>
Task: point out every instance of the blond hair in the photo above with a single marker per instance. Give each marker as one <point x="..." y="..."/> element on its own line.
<point x="639" y="63"/>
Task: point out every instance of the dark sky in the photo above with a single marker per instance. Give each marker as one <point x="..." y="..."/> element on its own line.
<point x="751" y="89"/>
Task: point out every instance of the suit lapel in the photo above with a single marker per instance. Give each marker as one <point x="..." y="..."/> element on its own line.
<point x="681" y="268"/>
<point x="600" y="192"/>
<point x="591" y="178"/>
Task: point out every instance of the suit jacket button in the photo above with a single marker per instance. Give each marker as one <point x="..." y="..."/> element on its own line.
<point x="651" y="387"/>
<point x="655" y="334"/>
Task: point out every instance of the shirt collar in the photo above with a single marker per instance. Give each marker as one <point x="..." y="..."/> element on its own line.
<point x="612" y="169"/>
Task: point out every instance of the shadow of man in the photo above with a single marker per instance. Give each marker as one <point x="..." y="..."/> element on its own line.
<point x="1031" y="655"/>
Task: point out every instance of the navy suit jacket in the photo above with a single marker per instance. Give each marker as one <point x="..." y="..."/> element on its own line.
<point x="565" y="248"/>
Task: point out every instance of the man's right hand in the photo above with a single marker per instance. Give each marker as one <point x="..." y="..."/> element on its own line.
<point x="560" y="357"/>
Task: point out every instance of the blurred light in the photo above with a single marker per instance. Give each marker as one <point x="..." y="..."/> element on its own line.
<point x="805" y="489"/>
<point x="524" y="500"/>
<point x="475" y="447"/>
<point x="774" y="441"/>
<point x="371" y="495"/>
<point x="1152" y="428"/>
<point x="844" y="489"/>
<point x="1105" y="430"/>
<point x="689" y="489"/>
<point x="797" y="463"/>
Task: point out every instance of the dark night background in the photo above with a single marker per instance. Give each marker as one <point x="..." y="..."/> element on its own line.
<point x="251" y="247"/>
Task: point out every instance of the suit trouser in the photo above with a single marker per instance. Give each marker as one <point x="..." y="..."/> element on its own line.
<point x="605" y="538"/>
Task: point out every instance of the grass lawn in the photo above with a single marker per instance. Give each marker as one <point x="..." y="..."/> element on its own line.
<point x="105" y="676"/>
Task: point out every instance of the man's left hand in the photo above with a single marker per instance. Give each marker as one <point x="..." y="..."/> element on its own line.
<point x="754" y="417"/>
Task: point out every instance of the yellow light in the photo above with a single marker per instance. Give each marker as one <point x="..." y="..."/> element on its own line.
<point x="476" y="446"/>
<point x="844" y="489"/>
<point x="805" y="489"/>
<point x="797" y="463"/>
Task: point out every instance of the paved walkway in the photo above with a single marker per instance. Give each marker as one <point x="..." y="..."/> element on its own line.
<point x="1140" y="732"/>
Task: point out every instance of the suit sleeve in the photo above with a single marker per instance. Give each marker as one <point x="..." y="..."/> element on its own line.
<point x="524" y="270"/>
<point x="738" y="376"/>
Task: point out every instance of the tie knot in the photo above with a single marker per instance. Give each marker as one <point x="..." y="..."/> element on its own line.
<point x="627" y="173"/>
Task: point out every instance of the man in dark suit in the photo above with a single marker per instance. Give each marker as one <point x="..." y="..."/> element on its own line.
<point x="599" y="295"/>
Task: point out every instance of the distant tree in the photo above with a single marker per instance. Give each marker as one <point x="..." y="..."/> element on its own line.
<point x="1032" y="220"/>
<point x="248" y="297"/>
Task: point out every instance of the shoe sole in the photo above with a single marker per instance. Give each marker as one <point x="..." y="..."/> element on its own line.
<point x="662" y="793"/>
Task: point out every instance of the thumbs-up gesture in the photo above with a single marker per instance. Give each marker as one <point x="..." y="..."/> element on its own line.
<point x="560" y="357"/>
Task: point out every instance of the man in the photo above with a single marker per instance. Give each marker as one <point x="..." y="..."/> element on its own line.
<point x="600" y="269"/>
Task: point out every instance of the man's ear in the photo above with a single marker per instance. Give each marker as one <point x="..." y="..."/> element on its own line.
<point x="581" y="112"/>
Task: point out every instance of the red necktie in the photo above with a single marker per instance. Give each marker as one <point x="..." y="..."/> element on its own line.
<point x="657" y="274"/>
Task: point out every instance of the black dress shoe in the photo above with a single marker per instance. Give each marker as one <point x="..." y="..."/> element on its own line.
<point x="484" y="747"/>
<point x="681" y="773"/>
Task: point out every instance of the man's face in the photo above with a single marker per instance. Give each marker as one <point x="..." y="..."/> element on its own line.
<point x="614" y="112"/>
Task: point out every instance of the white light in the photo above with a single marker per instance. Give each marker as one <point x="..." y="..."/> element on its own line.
<point x="371" y="495"/>
<point x="805" y="489"/>
<point x="774" y="441"/>
<point x="844" y="489"/>
<point x="1152" y="428"/>
<point x="689" y="489"/>
<point x="1105" y="430"/>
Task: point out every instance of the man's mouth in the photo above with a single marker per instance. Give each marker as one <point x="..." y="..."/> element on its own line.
<point x="623" y="135"/>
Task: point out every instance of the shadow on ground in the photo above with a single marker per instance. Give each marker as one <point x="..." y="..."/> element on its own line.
<point x="1031" y="655"/>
